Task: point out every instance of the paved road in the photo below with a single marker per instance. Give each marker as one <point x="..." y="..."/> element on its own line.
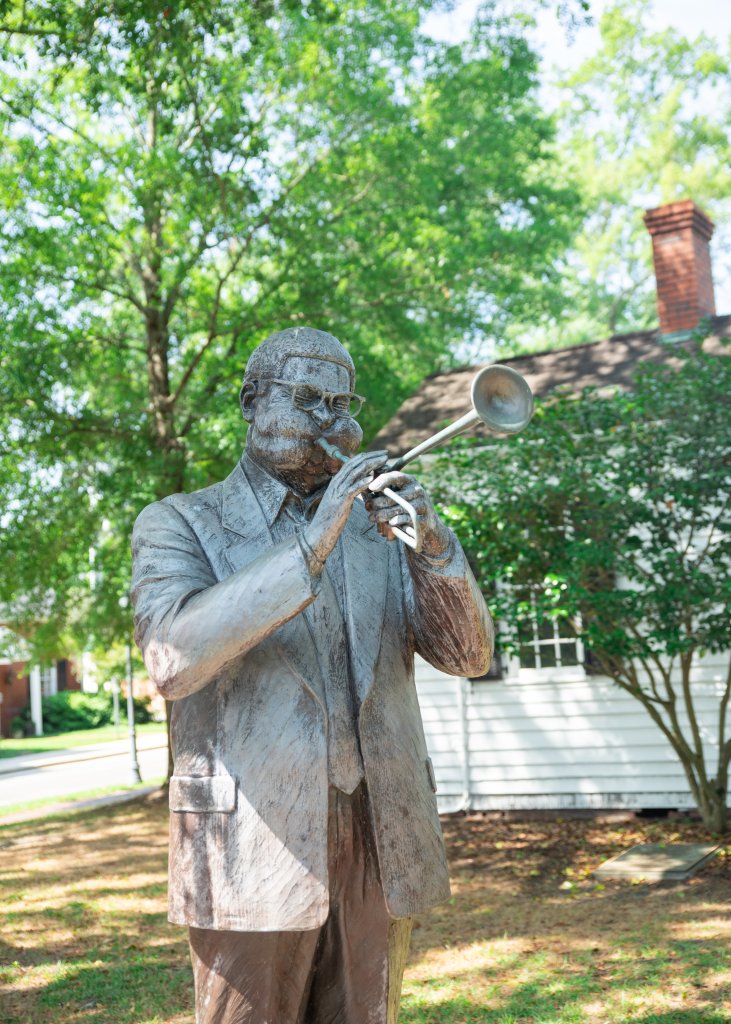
<point x="63" y="774"/>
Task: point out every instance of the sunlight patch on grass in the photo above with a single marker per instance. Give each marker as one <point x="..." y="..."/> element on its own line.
<point x="462" y="959"/>
<point x="708" y="928"/>
<point x="719" y="979"/>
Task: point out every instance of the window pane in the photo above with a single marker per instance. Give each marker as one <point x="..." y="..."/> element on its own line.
<point x="565" y="628"/>
<point x="525" y="631"/>
<point x="545" y="630"/>
<point x="568" y="654"/>
<point x="46" y="682"/>
<point x="527" y="657"/>
<point x="548" y="656"/>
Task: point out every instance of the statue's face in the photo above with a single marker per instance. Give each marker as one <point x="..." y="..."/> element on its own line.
<point x="283" y="438"/>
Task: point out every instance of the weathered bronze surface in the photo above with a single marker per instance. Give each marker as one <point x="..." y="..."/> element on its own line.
<point x="273" y="611"/>
<point x="360" y="950"/>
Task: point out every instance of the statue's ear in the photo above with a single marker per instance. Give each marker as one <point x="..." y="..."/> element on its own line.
<point x="246" y="399"/>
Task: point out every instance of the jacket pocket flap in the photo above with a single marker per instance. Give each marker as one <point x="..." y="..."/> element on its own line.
<point x="203" y="793"/>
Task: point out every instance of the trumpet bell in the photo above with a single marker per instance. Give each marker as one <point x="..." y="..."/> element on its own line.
<point x="502" y="399"/>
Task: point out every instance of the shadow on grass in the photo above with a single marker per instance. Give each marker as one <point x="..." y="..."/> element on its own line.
<point x="75" y="919"/>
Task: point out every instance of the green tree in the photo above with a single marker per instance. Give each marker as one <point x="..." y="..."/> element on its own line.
<point x="645" y="121"/>
<point x="612" y="512"/>
<point x="182" y="179"/>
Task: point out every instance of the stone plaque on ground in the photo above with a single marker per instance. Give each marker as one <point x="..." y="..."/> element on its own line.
<point x="671" y="862"/>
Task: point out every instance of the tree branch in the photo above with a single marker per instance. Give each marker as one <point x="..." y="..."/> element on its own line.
<point x="212" y="329"/>
<point x="635" y="690"/>
<point x="261" y="222"/>
<point x="128" y="296"/>
<point x="685" y="665"/>
<point x="184" y="268"/>
<point x="212" y="384"/>
<point x="26" y="30"/>
<point x="47" y="130"/>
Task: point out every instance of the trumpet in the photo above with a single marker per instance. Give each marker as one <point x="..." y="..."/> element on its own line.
<point x="501" y="399"/>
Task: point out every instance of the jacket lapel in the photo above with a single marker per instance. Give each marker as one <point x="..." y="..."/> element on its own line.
<point x="365" y="566"/>
<point x="243" y="518"/>
<point x="247" y="536"/>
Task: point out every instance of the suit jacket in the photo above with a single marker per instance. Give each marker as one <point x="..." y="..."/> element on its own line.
<point x="221" y="619"/>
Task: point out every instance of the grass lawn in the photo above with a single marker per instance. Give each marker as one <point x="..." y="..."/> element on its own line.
<point x="68" y="740"/>
<point x="527" y="938"/>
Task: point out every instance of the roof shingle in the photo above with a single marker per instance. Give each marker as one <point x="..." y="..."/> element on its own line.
<point x="444" y="397"/>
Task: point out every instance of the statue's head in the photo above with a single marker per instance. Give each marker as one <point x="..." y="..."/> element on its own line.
<point x="298" y="387"/>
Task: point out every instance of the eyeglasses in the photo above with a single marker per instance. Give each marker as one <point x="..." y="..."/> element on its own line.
<point x="309" y="398"/>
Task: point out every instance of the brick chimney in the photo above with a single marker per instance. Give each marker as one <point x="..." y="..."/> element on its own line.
<point x="681" y="233"/>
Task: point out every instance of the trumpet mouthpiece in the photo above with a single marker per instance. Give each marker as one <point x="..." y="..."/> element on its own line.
<point x="331" y="450"/>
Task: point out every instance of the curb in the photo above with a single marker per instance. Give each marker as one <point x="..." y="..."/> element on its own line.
<point x="7" y="767"/>
<point x="77" y="805"/>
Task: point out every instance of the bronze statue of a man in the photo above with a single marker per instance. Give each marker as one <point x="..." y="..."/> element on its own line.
<point x="275" y="614"/>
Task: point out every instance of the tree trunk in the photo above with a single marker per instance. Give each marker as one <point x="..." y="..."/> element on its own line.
<point x="713" y="810"/>
<point x="710" y="796"/>
<point x="164" y="432"/>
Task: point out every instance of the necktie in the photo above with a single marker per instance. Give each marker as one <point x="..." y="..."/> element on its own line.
<point x="327" y="627"/>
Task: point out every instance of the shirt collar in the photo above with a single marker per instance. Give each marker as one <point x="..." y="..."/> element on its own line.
<point x="272" y="494"/>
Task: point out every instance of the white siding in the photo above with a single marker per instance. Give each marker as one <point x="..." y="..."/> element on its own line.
<point x="549" y="744"/>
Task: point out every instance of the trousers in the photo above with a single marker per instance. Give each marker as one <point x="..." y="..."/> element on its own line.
<point x="348" y="971"/>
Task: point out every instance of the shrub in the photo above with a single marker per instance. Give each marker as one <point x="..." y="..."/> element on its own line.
<point x="143" y="710"/>
<point x="71" y="709"/>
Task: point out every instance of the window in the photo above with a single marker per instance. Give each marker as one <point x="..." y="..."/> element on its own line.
<point x="48" y="681"/>
<point x="548" y="643"/>
<point x="545" y="646"/>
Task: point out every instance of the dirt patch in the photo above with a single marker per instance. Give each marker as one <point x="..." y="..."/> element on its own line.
<point x="521" y="877"/>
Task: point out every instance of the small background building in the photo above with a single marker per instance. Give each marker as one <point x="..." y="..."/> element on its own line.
<point x="544" y="732"/>
<point x="18" y="676"/>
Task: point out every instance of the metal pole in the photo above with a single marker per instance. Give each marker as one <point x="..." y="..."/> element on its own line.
<point x="134" y="768"/>
<point x="115" y="703"/>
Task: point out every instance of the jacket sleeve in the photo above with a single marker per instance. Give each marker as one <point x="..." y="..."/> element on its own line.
<point x="187" y="624"/>
<point x="451" y="625"/>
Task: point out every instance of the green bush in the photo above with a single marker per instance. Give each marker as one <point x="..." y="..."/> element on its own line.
<point x="71" y="710"/>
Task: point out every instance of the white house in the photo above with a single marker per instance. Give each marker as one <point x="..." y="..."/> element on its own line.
<point x="548" y="739"/>
<point x="543" y="734"/>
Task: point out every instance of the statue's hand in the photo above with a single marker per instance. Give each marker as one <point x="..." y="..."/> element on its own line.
<point x="385" y="513"/>
<point x="332" y="514"/>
